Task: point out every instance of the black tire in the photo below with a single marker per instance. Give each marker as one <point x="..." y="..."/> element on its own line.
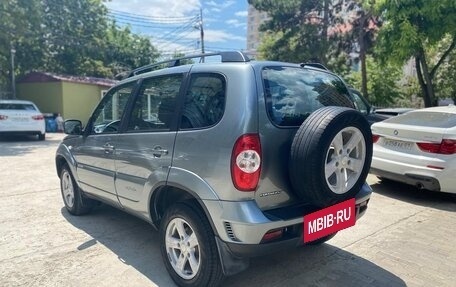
<point x="322" y="240"/>
<point x="41" y="137"/>
<point x="79" y="205"/>
<point x="312" y="148"/>
<point x="210" y="271"/>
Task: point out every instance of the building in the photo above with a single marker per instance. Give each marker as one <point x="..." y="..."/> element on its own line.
<point x="254" y="19"/>
<point x="72" y="96"/>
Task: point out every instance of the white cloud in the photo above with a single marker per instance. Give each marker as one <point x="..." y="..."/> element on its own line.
<point x="157" y="8"/>
<point x="220" y="36"/>
<point x="211" y="3"/>
<point x="235" y="23"/>
<point x="223" y="5"/>
<point x="241" y="14"/>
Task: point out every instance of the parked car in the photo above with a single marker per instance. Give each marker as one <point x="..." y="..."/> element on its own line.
<point x="21" y="118"/>
<point x="362" y="105"/>
<point x="226" y="159"/>
<point x="418" y="148"/>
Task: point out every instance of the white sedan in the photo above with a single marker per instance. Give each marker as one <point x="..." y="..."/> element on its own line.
<point x="21" y="118"/>
<point x="417" y="148"/>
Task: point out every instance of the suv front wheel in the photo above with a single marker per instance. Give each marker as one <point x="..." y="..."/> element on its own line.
<point x="188" y="247"/>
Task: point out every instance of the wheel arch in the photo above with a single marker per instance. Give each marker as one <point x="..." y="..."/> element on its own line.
<point x="166" y="195"/>
<point x="63" y="156"/>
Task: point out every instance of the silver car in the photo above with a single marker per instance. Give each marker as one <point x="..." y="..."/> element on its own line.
<point x="226" y="159"/>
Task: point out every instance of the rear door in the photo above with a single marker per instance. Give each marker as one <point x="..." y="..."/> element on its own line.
<point x="95" y="154"/>
<point x="144" y="151"/>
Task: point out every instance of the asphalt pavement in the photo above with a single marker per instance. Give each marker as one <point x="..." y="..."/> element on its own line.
<point x="406" y="238"/>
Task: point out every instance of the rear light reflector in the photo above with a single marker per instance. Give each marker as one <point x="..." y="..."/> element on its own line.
<point x="445" y="147"/>
<point x="375" y="138"/>
<point x="38" y="117"/>
<point x="2" y="117"/>
<point x="271" y="235"/>
<point x="435" y="167"/>
<point x="246" y="162"/>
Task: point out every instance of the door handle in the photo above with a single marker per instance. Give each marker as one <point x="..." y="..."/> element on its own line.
<point x="108" y="148"/>
<point x="158" y="151"/>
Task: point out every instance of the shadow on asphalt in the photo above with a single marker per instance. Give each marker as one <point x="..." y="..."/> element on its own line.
<point x="136" y="244"/>
<point x="411" y="194"/>
<point x="18" y="145"/>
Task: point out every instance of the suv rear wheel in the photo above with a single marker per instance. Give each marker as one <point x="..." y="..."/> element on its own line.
<point x="330" y="156"/>
<point x="188" y="247"/>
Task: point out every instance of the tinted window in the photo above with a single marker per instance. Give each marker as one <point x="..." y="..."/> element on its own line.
<point x="106" y="118"/>
<point x="204" y="102"/>
<point x="23" y="107"/>
<point x="359" y="103"/>
<point x="425" y="119"/>
<point x="155" y="106"/>
<point x="292" y="94"/>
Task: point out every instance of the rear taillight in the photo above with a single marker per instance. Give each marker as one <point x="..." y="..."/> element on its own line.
<point x="445" y="147"/>
<point x="246" y="162"/>
<point x="38" y="117"/>
<point x="3" y="117"/>
<point x="375" y="138"/>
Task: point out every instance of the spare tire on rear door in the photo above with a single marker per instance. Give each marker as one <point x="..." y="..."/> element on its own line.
<point x="330" y="156"/>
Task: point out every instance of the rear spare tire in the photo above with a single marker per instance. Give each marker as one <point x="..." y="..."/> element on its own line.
<point x="330" y="156"/>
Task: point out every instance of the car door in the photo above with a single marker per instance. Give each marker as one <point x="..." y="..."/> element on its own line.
<point x="95" y="154"/>
<point x="144" y="151"/>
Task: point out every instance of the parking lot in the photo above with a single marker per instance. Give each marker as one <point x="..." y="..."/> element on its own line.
<point x="407" y="238"/>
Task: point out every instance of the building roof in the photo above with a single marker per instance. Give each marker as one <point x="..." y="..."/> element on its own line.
<point x="42" y="77"/>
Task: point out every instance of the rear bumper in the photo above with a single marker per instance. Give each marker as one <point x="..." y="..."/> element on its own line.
<point x="293" y="237"/>
<point x="418" y="180"/>
<point x="240" y="226"/>
<point x="235" y="254"/>
<point x="20" y="133"/>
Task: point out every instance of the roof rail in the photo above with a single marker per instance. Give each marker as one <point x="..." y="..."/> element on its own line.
<point x="315" y="65"/>
<point x="227" y="56"/>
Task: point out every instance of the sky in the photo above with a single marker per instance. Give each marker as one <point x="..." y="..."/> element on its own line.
<point x="173" y="25"/>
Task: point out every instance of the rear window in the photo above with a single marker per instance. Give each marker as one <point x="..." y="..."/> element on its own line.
<point x="26" y="107"/>
<point x="293" y="93"/>
<point x="425" y="119"/>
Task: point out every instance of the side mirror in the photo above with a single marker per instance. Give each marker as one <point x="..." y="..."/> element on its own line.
<point x="72" y="127"/>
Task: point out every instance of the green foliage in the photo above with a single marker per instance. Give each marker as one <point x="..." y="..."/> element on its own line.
<point x="445" y="77"/>
<point x="382" y="83"/>
<point x="412" y="29"/>
<point x="69" y="37"/>
<point x="303" y="31"/>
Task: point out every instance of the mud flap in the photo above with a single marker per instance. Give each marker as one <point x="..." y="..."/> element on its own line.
<point x="230" y="264"/>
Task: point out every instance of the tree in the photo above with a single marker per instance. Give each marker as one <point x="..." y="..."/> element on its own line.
<point x="126" y="51"/>
<point x="382" y="85"/>
<point x="21" y="31"/>
<point x="445" y="85"/>
<point x="365" y="26"/>
<point x="299" y="31"/>
<point x="411" y="29"/>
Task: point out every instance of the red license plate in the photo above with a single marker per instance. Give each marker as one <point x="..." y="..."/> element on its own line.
<point x="329" y="220"/>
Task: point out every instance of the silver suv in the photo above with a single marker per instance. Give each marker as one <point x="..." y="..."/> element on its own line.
<point x="225" y="158"/>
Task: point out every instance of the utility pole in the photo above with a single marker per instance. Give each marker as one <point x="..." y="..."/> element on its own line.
<point x="13" y="80"/>
<point x="201" y="32"/>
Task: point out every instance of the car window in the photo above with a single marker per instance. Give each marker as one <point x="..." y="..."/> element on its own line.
<point x="359" y="103"/>
<point x="293" y="93"/>
<point x="204" y="101"/>
<point x="17" y="106"/>
<point x="107" y="116"/>
<point x="155" y="106"/>
<point x="425" y="119"/>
